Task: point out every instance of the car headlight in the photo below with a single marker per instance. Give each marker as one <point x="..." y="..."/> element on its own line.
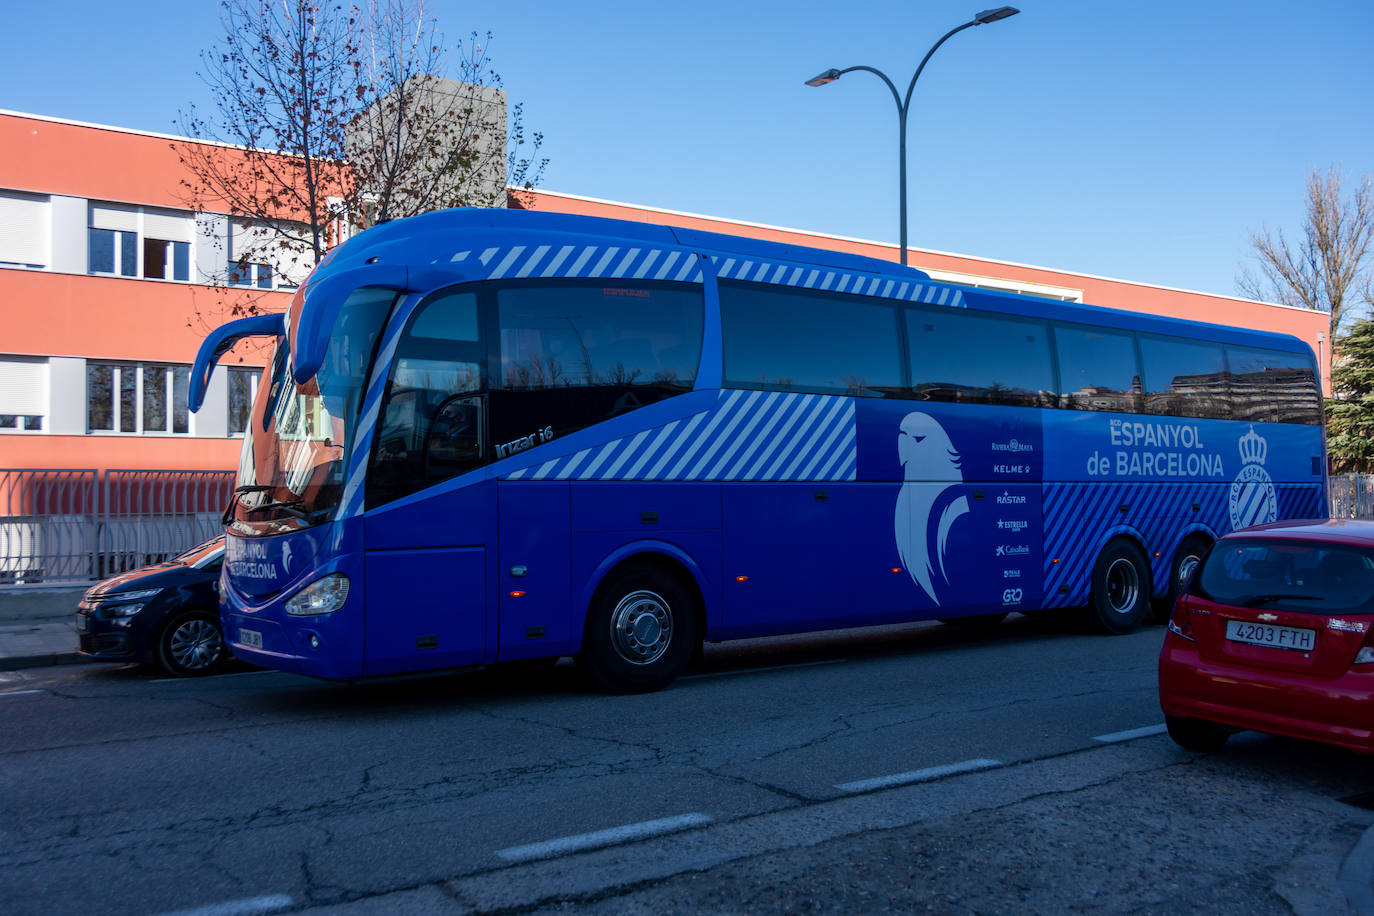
<point x="127" y="604"/>
<point x="125" y="610"/>
<point x="323" y="596"/>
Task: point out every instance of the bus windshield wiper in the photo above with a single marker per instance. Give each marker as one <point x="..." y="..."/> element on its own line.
<point x="291" y="507"/>
<point x="253" y="488"/>
<point x="1260" y="600"/>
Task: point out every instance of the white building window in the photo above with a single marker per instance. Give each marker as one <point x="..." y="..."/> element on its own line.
<point x="23" y="395"/>
<point x="140" y="242"/>
<point x="264" y="257"/>
<point x="137" y="398"/>
<point x="25" y="229"/>
<point x="243" y="389"/>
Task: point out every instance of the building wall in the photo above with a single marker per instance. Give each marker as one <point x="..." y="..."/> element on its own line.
<point x="84" y="345"/>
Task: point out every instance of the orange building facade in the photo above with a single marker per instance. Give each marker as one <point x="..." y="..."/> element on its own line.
<point x="108" y="283"/>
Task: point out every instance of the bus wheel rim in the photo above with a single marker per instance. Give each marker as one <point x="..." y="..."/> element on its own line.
<point x="1186" y="567"/>
<point x="641" y="627"/>
<point x="1123" y="585"/>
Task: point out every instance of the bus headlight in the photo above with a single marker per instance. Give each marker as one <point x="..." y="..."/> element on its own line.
<point x="323" y="596"/>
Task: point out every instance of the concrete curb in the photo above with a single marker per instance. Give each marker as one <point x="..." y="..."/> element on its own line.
<point x="41" y="660"/>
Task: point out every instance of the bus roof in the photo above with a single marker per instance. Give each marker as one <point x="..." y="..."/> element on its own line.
<point x="434" y="237"/>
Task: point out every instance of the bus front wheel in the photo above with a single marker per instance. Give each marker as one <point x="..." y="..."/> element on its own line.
<point x="1120" y="588"/>
<point x="641" y="630"/>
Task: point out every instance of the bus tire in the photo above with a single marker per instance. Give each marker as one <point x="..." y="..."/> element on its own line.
<point x="1186" y="558"/>
<point x="1120" y="588"/>
<point x="641" y="630"/>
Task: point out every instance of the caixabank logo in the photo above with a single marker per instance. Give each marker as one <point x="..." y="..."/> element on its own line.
<point x="1253" y="501"/>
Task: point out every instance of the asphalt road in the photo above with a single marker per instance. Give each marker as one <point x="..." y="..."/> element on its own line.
<point x="899" y="769"/>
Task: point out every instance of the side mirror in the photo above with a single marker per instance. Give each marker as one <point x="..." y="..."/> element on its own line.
<point x="454" y="442"/>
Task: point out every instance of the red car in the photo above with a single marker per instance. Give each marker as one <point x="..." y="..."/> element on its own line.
<point x="1275" y="632"/>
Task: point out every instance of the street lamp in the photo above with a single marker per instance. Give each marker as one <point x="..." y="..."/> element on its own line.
<point x="904" y="104"/>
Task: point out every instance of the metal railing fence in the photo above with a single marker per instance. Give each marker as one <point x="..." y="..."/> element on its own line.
<point x="62" y="525"/>
<point x="1352" y="496"/>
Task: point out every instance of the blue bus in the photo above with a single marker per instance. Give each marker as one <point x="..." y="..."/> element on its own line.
<point x="491" y="435"/>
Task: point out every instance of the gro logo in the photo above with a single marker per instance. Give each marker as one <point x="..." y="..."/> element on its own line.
<point x="1011" y="596"/>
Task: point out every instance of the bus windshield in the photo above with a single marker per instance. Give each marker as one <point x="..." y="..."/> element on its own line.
<point x="291" y="469"/>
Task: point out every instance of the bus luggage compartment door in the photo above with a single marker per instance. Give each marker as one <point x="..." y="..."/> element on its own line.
<point x="534" y="570"/>
<point x="425" y="609"/>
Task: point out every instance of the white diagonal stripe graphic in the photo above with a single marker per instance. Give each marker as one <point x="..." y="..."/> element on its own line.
<point x="789" y="473"/>
<point x="557" y="261"/>
<point x="582" y="260"/>
<point x="668" y="263"/>
<point x="506" y="262"/>
<point x="757" y="444"/>
<point x="625" y="454"/>
<point x="744" y="437"/>
<point x="683" y="439"/>
<point x="650" y="449"/>
<point x="715" y="442"/>
<point x="647" y="263"/>
<point x="534" y="259"/>
<point x="624" y="264"/>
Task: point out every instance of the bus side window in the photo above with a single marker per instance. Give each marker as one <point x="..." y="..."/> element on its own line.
<point x="572" y="352"/>
<point x="1270" y="386"/>
<point x="439" y="360"/>
<point x="1184" y="378"/>
<point x="779" y="338"/>
<point x="960" y="355"/>
<point x="1097" y="369"/>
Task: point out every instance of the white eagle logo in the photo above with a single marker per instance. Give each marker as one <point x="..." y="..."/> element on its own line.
<point x="930" y="467"/>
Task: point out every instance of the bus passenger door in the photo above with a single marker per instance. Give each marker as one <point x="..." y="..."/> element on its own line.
<point x="533" y="572"/>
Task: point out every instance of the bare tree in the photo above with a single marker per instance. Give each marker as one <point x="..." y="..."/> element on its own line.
<point x="338" y="116"/>
<point x="285" y="83"/>
<point x="1328" y="269"/>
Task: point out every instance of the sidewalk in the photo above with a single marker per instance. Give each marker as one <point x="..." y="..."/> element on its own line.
<point x="36" y="643"/>
<point x="38" y="626"/>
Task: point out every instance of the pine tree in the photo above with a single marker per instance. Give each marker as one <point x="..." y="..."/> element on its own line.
<point x="1350" y="413"/>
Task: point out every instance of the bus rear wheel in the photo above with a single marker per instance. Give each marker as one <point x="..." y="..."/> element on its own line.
<point x="641" y="630"/>
<point x="1120" y="589"/>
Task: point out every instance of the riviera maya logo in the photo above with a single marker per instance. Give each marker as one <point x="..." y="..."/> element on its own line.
<point x="1252" y="492"/>
<point x="930" y="469"/>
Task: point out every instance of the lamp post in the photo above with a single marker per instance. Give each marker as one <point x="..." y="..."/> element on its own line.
<point x="904" y="104"/>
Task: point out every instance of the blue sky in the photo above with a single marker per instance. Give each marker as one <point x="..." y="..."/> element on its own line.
<point x="1143" y="141"/>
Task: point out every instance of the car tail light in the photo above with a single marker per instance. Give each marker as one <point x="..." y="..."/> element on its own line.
<point x="1181" y="620"/>
<point x="1366" y="654"/>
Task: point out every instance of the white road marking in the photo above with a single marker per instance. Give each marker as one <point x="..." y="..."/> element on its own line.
<point x="245" y="907"/>
<point x="710" y="674"/>
<point x="902" y="779"/>
<point x="610" y="837"/>
<point x="17" y="693"/>
<point x="1131" y="734"/>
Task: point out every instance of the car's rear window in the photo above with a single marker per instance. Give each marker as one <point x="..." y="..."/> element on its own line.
<point x="1293" y="575"/>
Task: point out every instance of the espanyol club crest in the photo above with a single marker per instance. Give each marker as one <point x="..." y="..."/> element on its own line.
<point x="1252" y="492"/>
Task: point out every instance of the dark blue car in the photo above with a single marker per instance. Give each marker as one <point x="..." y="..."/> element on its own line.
<point x="165" y="615"/>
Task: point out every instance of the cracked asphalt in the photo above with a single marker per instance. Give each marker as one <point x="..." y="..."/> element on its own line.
<point x="121" y="793"/>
